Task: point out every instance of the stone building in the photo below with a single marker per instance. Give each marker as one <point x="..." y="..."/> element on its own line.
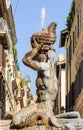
<point x="60" y="73"/>
<point x="72" y="39"/>
<point x="21" y="91"/>
<point x="7" y="63"/>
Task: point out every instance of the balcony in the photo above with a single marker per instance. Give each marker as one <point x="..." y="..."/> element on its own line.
<point x="4" y="34"/>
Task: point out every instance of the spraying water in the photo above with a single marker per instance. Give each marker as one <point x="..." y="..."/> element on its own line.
<point x="43" y="13"/>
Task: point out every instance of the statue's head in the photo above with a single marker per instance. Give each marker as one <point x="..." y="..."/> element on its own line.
<point x="42" y="56"/>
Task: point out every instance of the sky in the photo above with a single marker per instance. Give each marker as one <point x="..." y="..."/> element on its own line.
<point x="27" y="17"/>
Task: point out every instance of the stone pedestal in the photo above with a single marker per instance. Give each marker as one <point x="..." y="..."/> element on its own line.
<point x="36" y="117"/>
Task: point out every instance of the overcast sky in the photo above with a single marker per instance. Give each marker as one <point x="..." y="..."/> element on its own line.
<point x="27" y="17"/>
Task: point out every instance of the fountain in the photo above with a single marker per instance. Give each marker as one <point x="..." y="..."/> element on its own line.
<point x="40" y="116"/>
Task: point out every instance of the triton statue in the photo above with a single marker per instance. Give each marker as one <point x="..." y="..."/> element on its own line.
<point x="42" y="59"/>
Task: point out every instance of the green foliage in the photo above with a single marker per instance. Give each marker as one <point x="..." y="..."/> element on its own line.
<point x="15" y="53"/>
<point x="15" y="57"/>
<point x="70" y="16"/>
<point x="22" y="83"/>
<point x="17" y="65"/>
<point x="16" y="91"/>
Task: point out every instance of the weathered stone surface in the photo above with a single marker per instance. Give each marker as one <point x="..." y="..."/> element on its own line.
<point x="71" y="120"/>
<point x="33" y="115"/>
<point x="45" y="37"/>
<point x="40" y="120"/>
<point x="9" y="115"/>
<point x="5" y="124"/>
<point x="69" y="115"/>
<point x="73" y="124"/>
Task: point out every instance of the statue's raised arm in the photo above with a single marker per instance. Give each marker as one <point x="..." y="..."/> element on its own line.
<point x="41" y="41"/>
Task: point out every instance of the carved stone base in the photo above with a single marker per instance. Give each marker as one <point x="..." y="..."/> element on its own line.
<point x="35" y="117"/>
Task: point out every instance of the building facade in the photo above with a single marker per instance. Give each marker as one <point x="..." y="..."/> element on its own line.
<point x="21" y="91"/>
<point x="7" y="62"/>
<point x="72" y="39"/>
<point x="61" y="73"/>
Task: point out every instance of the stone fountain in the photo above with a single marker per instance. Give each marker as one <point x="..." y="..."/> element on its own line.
<point x="40" y="116"/>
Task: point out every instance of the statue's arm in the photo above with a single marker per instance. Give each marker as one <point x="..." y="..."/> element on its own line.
<point x="28" y="58"/>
